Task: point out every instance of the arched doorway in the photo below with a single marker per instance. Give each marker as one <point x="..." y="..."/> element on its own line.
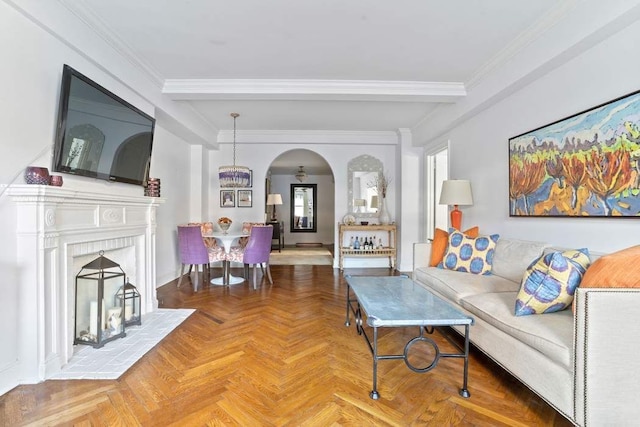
<point x="281" y="178"/>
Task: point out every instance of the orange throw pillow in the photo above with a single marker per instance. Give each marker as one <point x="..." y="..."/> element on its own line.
<point x="440" y="242"/>
<point x="617" y="270"/>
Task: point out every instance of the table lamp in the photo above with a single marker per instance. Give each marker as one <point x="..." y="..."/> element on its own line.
<point x="456" y="192"/>
<point x="273" y="200"/>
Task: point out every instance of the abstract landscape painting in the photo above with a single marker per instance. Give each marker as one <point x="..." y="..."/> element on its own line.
<point x="587" y="165"/>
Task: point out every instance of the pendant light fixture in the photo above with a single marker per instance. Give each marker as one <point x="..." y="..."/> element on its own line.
<point x="301" y="175"/>
<point x="234" y="176"/>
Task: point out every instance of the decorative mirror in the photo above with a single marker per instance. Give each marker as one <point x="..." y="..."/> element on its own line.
<point x="362" y="172"/>
<point x="303" y="208"/>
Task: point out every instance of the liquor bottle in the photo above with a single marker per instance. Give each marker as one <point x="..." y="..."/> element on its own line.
<point x="379" y="243"/>
<point x="351" y="243"/>
<point x="361" y="243"/>
<point x="366" y="243"/>
<point x="356" y="244"/>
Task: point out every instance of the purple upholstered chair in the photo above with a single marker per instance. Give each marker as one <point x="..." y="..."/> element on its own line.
<point x="194" y="252"/>
<point x="256" y="252"/>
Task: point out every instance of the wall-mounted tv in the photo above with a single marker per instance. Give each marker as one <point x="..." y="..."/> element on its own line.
<point x="99" y="134"/>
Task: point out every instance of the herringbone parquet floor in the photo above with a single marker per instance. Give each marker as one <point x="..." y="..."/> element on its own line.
<point x="278" y="356"/>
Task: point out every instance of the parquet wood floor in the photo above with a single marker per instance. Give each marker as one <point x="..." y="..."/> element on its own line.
<point x="278" y="356"/>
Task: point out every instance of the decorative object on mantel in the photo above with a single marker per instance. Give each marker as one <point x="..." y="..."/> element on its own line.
<point x="301" y="175"/>
<point x="381" y="184"/>
<point x="456" y="192"/>
<point x="55" y="180"/>
<point x="273" y="200"/>
<point x="36" y="175"/>
<point x="224" y="223"/>
<point x="98" y="317"/>
<point x="234" y="176"/>
<point x="153" y="188"/>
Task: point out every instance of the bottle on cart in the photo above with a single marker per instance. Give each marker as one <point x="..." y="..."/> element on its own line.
<point x="351" y="243"/>
<point x="366" y="243"/>
<point x="361" y="244"/>
<point x="372" y="243"/>
<point x="379" y="243"/>
<point x="356" y="244"/>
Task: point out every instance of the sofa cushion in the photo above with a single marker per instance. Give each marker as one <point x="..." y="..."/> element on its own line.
<point x="440" y="242"/>
<point x="550" y="334"/>
<point x="470" y="255"/>
<point x="512" y="257"/>
<point x="617" y="270"/>
<point x="550" y="282"/>
<point x="455" y="285"/>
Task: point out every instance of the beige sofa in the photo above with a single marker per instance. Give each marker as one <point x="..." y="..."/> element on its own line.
<point x="586" y="366"/>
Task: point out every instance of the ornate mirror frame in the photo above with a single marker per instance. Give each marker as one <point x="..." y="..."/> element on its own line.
<point x="361" y="171"/>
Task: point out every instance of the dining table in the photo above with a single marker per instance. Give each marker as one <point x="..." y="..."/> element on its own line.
<point x="226" y="240"/>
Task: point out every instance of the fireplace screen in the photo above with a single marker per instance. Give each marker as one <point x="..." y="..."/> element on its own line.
<point x="99" y="318"/>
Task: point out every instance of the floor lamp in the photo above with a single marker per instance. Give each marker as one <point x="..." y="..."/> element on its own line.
<point x="456" y="192"/>
<point x="273" y="200"/>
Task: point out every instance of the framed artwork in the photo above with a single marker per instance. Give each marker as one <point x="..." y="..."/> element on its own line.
<point x="227" y="199"/>
<point x="245" y="198"/>
<point x="250" y="178"/>
<point x="586" y="165"/>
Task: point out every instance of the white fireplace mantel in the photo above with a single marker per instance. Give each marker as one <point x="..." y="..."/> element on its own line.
<point x="55" y="226"/>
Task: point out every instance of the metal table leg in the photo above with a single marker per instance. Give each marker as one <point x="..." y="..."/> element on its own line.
<point x="374" y="393"/>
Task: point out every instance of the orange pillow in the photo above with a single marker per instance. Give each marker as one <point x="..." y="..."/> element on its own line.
<point x="440" y="242"/>
<point x="617" y="270"/>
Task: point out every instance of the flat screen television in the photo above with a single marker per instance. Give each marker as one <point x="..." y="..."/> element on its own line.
<point x="99" y="134"/>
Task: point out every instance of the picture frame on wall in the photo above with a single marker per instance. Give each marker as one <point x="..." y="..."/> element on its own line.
<point x="250" y="178"/>
<point x="585" y="165"/>
<point x="227" y="199"/>
<point x="245" y="198"/>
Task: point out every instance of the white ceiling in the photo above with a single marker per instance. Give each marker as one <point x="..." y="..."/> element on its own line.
<point x="354" y="65"/>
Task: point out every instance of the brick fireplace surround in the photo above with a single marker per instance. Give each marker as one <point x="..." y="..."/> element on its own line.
<point x="60" y="230"/>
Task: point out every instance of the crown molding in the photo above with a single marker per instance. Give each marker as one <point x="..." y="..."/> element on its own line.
<point x="110" y="37"/>
<point x="302" y="89"/>
<point x="309" y="137"/>
<point x="555" y="15"/>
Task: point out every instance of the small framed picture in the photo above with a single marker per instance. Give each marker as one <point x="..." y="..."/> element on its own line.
<point x="245" y="198"/>
<point x="227" y="199"/>
<point x="250" y="178"/>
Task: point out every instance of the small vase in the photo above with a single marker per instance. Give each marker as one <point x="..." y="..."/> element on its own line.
<point x="383" y="215"/>
<point x="224" y="226"/>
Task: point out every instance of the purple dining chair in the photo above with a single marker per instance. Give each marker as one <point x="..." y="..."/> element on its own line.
<point x="193" y="251"/>
<point x="256" y="252"/>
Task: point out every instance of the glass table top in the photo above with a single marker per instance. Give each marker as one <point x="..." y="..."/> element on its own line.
<point x="399" y="301"/>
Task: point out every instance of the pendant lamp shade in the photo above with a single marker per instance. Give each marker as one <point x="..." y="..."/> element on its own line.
<point x="234" y="176"/>
<point x="301" y="175"/>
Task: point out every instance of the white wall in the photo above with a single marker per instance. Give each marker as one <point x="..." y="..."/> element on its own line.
<point x="32" y="72"/>
<point x="479" y="147"/>
<point x="259" y="157"/>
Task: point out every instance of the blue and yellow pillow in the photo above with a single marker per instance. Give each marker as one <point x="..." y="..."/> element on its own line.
<point x="469" y="254"/>
<point x="550" y="282"/>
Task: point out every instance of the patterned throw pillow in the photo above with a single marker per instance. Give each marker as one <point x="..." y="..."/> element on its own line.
<point x="440" y="242"/>
<point x="468" y="254"/>
<point x="550" y="282"/>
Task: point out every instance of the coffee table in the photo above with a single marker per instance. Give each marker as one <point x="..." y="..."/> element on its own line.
<point x="397" y="301"/>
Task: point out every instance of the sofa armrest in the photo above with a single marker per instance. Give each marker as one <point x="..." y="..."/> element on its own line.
<point x="421" y="254"/>
<point x="606" y="366"/>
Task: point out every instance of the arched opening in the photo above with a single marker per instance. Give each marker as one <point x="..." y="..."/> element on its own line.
<point x="283" y="175"/>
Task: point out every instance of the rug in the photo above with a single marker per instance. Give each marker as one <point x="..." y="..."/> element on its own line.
<point x="113" y="360"/>
<point x="301" y="256"/>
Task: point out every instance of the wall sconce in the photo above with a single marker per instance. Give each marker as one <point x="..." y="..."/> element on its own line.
<point x="301" y="175"/>
<point x="456" y="192"/>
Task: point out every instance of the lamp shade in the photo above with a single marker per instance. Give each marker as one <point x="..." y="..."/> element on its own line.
<point x="374" y="202"/>
<point x="456" y="192"/>
<point x="274" y="199"/>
